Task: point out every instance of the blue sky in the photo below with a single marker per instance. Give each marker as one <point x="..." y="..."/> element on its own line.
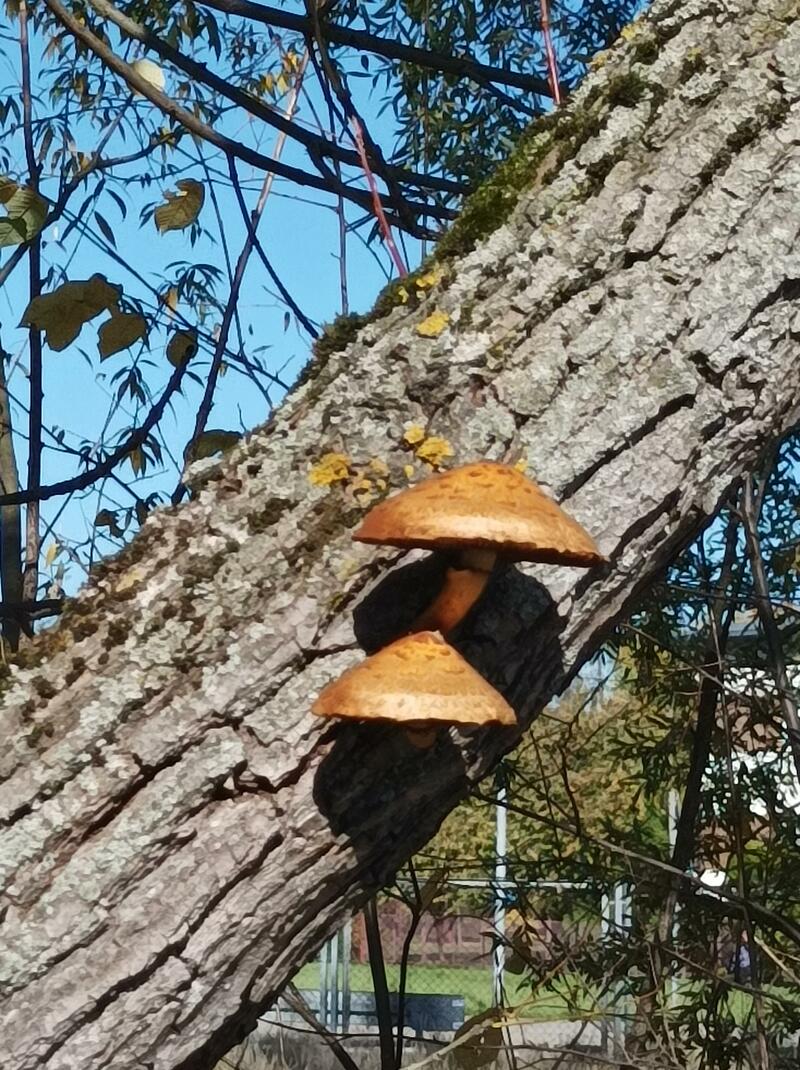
<point x="299" y="231"/>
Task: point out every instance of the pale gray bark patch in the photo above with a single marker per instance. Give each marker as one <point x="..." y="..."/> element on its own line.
<point x="178" y="833"/>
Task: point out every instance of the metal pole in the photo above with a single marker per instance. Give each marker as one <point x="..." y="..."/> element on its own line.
<point x="347" y="944"/>
<point x="333" y="991"/>
<point x="323" y="983"/>
<point x="500" y="872"/>
<point x="673" y="816"/>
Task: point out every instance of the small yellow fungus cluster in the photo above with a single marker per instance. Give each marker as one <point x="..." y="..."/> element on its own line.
<point x="433" y="325"/>
<point x="363" y="482"/>
<point x="432" y="449"/>
<point x="421" y="284"/>
<point x="330" y="468"/>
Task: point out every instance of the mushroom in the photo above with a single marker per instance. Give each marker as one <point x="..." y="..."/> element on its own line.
<point x="419" y="681"/>
<point x="480" y="511"/>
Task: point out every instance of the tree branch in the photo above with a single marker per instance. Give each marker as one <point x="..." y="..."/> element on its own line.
<point x="199" y="72"/>
<point x="230" y="147"/>
<point x="767" y="617"/>
<point x="380" y="46"/>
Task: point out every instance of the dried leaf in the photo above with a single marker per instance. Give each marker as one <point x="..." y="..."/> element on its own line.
<point x="137" y="459"/>
<point x="182" y="347"/>
<point x="121" y="331"/>
<point x="62" y="313"/>
<point x="26" y="212"/>
<point x="180" y="209"/>
<point x="150" y="72"/>
<point x="482" y="1048"/>
<point x="51" y="554"/>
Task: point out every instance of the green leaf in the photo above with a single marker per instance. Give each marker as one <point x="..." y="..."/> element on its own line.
<point x="181" y="209"/>
<point x="106" y="230"/>
<point x="26" y="212"/>
<point x="121" y="331"/>
<point x="62" y="313"/>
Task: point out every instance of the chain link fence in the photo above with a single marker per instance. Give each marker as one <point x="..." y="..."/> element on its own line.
<point x="461" y="957"/>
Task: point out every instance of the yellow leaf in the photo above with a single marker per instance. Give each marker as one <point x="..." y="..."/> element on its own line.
<point x="62" y="313"/>
<point x="521" y="465"/>
<point x="433" y="326"/>
<point x="150" y="72"/>
<point x="51" y="554"/>
<point x="181" y="209"/>
<point x="408" y="471"/>
<point x="136" y="457"/>
<point x="402" y="295"/>
<point x="121" y="331"/>
<point x="434" y="450"/>
<point x="281" y="83"/>
<point x="331" y="468"/>
<point x="211" y="442"/>
<point x="170" y="301"/>
<point x="181" y="347"/>
<point x="26" y="212"/>
<point x="413" y="435"/>
<point x="379" y="467"/>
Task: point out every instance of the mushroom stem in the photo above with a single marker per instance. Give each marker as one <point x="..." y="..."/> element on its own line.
<point x="462" y="587"/>
<point x="478" y="560"/>
<point x="423" y="737"/>
<point x="460" y="591"/>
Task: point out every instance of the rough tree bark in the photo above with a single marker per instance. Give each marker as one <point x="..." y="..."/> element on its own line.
<point x="178" y="833"/>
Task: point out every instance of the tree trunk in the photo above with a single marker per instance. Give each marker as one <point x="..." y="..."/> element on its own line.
<point x="179" y="834"/>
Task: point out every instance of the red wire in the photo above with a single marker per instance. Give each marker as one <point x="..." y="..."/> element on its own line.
<point x="552" y="67"/>
<point x="383" y="222"/>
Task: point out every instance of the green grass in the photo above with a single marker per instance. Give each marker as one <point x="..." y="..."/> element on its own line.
<point x="564" y="1000"/>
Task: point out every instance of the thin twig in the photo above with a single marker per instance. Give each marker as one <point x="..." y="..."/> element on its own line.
<point x="771" y="631"/>
<point x="251" y="240"/>
<point x="377" y="965"/>
<point x="10" y="519"/>
<point x="30" y="572"/>
<point x="105" y="467"/>
<point x="299" y="1006"/>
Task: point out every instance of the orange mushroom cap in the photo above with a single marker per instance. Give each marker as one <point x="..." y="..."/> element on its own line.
<point x="418" y="678"/>
<point x="486" y="505"/>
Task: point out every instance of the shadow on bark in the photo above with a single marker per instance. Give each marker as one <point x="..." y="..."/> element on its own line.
<point x="372" y="768"/>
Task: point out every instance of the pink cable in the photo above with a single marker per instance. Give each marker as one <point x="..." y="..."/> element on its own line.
<point x="552" y="67"/>
<point x="383" y="222"/>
